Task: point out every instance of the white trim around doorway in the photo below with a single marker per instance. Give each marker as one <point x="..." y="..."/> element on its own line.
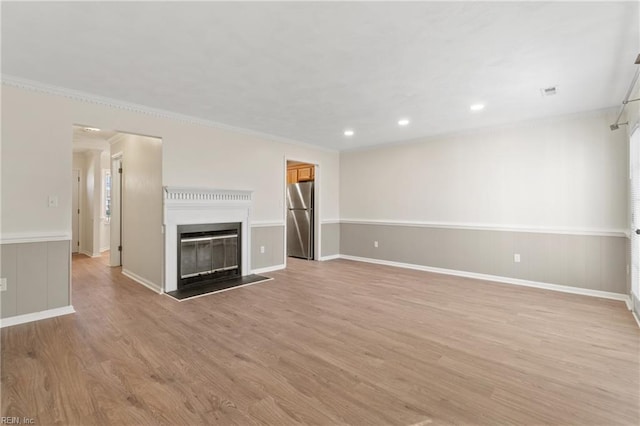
<point x="317" y="233"/>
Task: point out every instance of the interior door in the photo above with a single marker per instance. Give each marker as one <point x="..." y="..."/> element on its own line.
<point x="75" y="212"/>
<point x="634" y="167"/>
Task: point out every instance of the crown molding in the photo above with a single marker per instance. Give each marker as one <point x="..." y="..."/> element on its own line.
<point x="77" y="95"/>
<point x="488" y="129"/>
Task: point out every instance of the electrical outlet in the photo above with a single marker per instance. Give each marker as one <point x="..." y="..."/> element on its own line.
<point x="52" y="201"/>
<point x="262" y="249"/>
<point x="375" y="244"/>
<point x="3" y="284"/>
<point x="516" y="258"/>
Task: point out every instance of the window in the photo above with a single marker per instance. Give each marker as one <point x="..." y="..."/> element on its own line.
<point x="106" y="194"/>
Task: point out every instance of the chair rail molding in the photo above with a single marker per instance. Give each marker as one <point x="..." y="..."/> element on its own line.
<point x="600" y="232"/>
<point x="34" y="237"/>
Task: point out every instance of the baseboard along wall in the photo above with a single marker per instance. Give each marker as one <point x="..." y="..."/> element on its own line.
<point x="494" y="278"/>
<point x="36" y="316"/>
<point x="141" y="280"/>
<point x="268" y="269"/>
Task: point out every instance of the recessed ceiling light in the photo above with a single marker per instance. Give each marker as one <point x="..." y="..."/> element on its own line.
<point x="476" y="107"/>
<point x="403" y="122"/>
<point x="91" y="129"/>
<point x="349" y="132"/>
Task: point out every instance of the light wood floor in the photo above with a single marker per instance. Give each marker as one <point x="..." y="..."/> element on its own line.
<point x="326" y="343"/>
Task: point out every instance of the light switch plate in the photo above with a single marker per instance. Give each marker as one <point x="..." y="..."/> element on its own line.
<point x="53" y="201"/>
<point x="3" y="284"/>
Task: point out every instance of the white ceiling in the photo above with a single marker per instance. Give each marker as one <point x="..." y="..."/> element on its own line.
<point x="307" y="71"/>
<point x="91" y="140"/>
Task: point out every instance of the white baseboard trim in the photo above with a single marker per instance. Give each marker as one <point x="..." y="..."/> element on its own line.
<point x="628" y="302"/>
<point x="103" y="249"/>
<point x="330" y="257"/>
<point x="36" y="316"/>
<point x="496" y="278"/>
<point x="145" y="282"/>
<point x="630" y="305"/>
<point x="89" y="254"/>
<point x="268" y="269"/>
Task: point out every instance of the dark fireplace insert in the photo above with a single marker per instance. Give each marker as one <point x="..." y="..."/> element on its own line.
<point x="208" y="253"/>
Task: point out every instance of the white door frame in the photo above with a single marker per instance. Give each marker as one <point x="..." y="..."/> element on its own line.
<point x="76" y="210"/>
<point x="634" y="176"/>
<point x="115" y="255"/>
<point x="317" y="236"/>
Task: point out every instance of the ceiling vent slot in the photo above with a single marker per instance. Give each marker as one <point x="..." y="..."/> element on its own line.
<point x="549" y="91"/>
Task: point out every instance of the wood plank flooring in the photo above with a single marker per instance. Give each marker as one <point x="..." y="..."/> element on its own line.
<point x="325" y="343"/>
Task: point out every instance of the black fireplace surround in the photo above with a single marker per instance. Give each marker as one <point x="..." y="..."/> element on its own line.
<point x="208" y="253"/>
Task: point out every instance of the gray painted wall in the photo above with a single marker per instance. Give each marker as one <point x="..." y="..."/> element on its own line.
<point x="37" y="277"/>
<point x="590" y="262"/>
<point x="330" y="235"/>
<point x="272" y="238"/>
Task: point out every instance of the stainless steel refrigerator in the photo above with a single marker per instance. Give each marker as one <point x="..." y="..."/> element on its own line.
<point x="300" y="220"/>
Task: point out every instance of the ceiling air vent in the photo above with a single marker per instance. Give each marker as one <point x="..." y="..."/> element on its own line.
<point x="549" y="91"/>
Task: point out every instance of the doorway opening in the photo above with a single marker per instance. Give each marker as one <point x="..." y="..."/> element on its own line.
<point x="121" y="201"/>
<point x="90" y="172"/>
<point x="302" y="230"/>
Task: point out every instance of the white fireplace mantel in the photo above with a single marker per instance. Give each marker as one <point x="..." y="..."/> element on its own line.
<point x="191" y="206"/>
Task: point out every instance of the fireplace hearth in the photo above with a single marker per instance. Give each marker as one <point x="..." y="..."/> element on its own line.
<point x="208" y="253"/>
<point x="207" y="246"/>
